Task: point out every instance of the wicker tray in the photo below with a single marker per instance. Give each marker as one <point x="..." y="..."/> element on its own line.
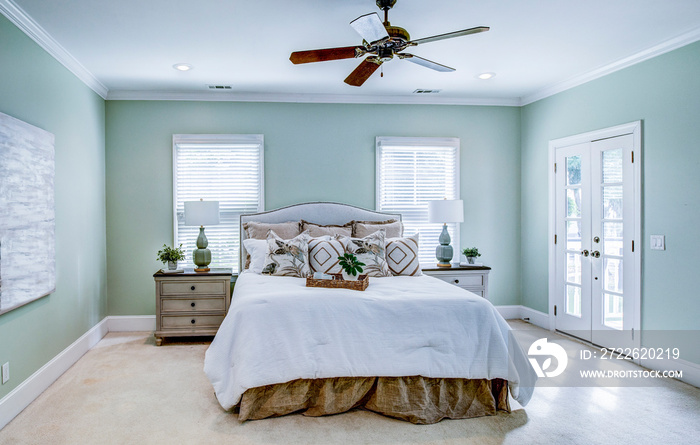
<point x="338" y="283"/>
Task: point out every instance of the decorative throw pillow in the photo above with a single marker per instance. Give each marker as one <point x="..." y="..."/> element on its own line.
<point x="257" y="250"/>
<point x="323" y="254"/>
<point x="258" y="230"/>
<point x="393" y="228"/>
<point x="317" y="230"/>
<point x="402" y="255"/>
<point x="370" y="250"/>
<point x="289" y="258"/>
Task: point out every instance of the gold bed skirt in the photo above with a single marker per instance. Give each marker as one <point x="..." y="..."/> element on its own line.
<point x="416" y="399"/>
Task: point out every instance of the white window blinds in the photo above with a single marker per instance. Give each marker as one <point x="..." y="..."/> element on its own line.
<point x="411" y="172"/>
<point x="224" y="168"/>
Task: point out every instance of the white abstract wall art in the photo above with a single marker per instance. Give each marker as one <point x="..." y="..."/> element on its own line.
<point x="27" y="216"/>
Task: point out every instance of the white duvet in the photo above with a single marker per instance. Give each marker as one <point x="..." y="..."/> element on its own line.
<point x="278" y="330"/>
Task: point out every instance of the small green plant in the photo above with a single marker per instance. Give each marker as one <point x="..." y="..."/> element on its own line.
<point x="350" y="264"/>
<point x="471" y="252"/>
<point x="168" y="253"/>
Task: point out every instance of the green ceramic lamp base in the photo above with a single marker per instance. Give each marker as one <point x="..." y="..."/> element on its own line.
<point x="201" y="256"/>
<point x="444" y="251"/>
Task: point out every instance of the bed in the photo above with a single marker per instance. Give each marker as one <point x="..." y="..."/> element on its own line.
<point x="410" y="347"/>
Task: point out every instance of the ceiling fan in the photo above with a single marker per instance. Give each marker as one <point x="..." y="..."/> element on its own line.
<point x="382" y="41"/>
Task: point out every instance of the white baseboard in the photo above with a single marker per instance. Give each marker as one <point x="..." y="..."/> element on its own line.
<point x="131" y="323"/>
<point x="691" y="371"/>
<point x="509" y="312"/>
<point x="535" y="317"/>
<point x="519" y="312"/>
<point x="24" y="394"/>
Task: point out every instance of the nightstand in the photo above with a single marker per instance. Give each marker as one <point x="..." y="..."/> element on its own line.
<point x="191" y="304"/>
<point x="472" y="278"/>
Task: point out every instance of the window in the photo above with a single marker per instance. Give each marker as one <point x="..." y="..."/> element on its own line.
<point x="411" y="172"/>
<point x="224" y="168"/>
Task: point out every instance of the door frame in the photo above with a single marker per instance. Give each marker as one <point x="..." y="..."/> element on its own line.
<point x="635" y="129"/>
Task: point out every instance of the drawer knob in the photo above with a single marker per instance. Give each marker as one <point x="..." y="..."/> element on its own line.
<point x="456" y="281"/>
<point x="192" y="288"/>
<point x="193" y="321"/>
<point x="192" y="304"/>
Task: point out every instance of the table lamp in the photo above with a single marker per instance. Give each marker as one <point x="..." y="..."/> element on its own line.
<point x="201" y="213"/>
<point x="445" y="211"/>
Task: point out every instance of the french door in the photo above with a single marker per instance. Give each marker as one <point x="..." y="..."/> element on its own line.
<point x="596" y="284"/>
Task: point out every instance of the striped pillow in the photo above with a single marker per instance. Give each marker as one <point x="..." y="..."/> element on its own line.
<point x="402" y="256"/>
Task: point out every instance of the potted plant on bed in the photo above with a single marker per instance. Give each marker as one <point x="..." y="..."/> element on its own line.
<point x="471" y="253"/>
<point x="352" y="267"/>
<point x="171" y="255"/>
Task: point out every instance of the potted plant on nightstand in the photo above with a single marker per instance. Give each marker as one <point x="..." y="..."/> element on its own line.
<point x="352" y="267"/>
<point x="171" y="255"/>
<point x="471" y="253"/>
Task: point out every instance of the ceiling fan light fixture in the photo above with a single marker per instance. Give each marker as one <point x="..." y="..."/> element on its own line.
<point x="182" y="66"/>
<point x="486" y="76"/>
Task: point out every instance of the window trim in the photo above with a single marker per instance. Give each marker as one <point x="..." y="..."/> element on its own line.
<point x="393" y="141"/>
<point x="258" y="139"/>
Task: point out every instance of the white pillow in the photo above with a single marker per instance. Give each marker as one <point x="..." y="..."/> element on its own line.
<point x="256" y="248"/>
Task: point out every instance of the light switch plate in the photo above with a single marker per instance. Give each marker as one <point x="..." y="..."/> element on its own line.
<point x="5" y="372"/>
<point x="658" y="242"/>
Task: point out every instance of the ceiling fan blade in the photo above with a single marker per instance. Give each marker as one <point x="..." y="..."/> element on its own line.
<point x="449" y="35"/>
<point x="370" y="27"/>
<point x="362" y="72"/>
<point x="425" y="62"/>
<point x="322" y="55"/>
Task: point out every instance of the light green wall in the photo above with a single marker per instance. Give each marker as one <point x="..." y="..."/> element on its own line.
<point x="35" y="88"/>
<point x="664" y="93"/>
<point x="312" y="152"/>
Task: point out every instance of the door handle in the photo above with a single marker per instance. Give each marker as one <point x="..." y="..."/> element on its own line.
<point x="584" y="252"/>
<point x="595" y="254"/>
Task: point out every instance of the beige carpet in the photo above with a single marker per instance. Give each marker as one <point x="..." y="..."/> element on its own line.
<point x="128" y="391"/>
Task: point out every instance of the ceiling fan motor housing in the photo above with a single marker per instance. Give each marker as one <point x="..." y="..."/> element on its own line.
<point x="396" y="32"/>
<point x="385" y="54"/>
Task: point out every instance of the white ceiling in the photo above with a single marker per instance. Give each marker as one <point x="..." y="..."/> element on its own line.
<point x="535" y="47"/>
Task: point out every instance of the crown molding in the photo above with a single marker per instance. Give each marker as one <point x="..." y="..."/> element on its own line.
<point x="649" y="53"/>
<point x="24" y="22"/>
<point x="32" y="29"/>
<point x="305" y="98"/>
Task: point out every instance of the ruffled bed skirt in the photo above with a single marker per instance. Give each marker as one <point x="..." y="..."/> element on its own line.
<point x="417" y="399"/>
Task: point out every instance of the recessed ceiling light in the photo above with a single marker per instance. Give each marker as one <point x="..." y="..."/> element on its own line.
<point x="182" y="66"/>
<point x="486" y="76"/>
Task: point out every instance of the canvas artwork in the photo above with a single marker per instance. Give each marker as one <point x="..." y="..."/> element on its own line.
<point x="27" y="220"/>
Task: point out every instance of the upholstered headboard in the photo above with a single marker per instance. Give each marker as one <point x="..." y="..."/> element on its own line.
<point x="324" y="213"/>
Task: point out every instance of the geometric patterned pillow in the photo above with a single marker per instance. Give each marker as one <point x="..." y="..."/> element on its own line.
<point x="288" y="258"/>
<point x="371" y="251"/>
<point x="402" y="256"/>
<point x="323" y="255"/>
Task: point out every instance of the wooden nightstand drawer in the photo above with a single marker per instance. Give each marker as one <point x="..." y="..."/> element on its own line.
<point x="462" y="280"/>
<point x="193" y="288"/>
<point x="479" y="292"/>
<point x="201" y="304"/>
<point x="474" y="279"/>
<point x="191" y="321"/>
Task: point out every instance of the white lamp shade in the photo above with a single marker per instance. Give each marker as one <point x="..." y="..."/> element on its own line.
<point x="201" y="213"/>
<point x="446" y="211"/>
